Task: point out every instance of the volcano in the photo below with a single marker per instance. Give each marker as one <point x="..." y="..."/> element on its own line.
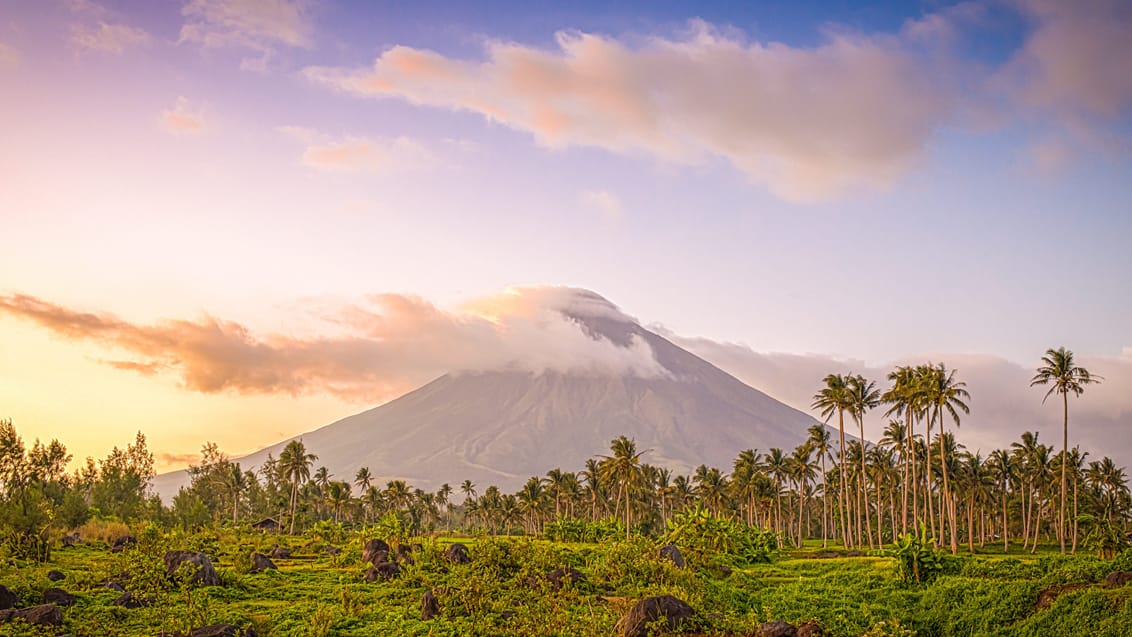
<point x="502" y="426"/>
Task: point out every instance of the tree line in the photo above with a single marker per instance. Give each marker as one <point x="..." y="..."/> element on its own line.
<point x="845" y="491"/>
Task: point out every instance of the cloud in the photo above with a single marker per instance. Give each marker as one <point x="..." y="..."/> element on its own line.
<point x="259" y="25"/>
<point x="9" y="57"/>
<point x="1003" y="404"/>
<point x="110" y="38"/>
<point x="1075" y="61"/>
<point x="360" y="154"/>
<point x="183" y="119"/>
<point x="853" y="113"/>
<point x="176" y="459"/>
<point x="604" y="201"/>
<point x="383" y="347"/>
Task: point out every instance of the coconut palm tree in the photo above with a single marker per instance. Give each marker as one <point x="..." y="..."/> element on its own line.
<point x="863" y="395"/>
<point x="830" y="399"/>
<point x="1002" y="469"/>
<point x="819" y="439"/>
<point x="623" y="468"/>
<point x="945" y="394"/>
<point x="904" y="396"/>
<point x="1060" y="372"/>
<point x="295" y="466"/>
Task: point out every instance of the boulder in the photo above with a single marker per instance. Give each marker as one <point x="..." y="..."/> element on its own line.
<point x="42" y="615"/>
<point x="333" y="550"/>
<point x="560" y="576"/>
<point x="725" y="570"/>
<point x="55" y="576"/>
<point x="121" y="543"/>
<point x="672" y="554"/>
<point x="810" y="629"/>
<point x="430" y="606"/>
<point x="114" y="586"/>
<point x="649" y="612"/>
<point x="371" y="548"/>
<point x="70" y="540"/>
<point x="403" y="554"/>
<point x="8" y="599"/>
<point x="222" y="630"/>
<point x="1117" y="578"/>
<point x="261" y="563"/>
<point x="776" y="628"/>
<point x="280" y="553"/>
<point x="457" y="554"/>
<point x="58" y="596"/>
<point x="205" y="574"/>
<point x="129" y="600"/>
<point x="382" y="571"/>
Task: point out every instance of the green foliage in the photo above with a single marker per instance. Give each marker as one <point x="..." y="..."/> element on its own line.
<point x="579" y="530"/>
<point x="1103" y="536"/>
<point x="395" y="527"/>
<point x="917" y="558"/>
<point x="701" y="533"/>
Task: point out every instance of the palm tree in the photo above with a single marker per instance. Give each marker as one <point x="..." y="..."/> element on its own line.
<point x="1002" y="468"/>
<point x="295" y="465"/>
<point x="904" y="396"/>
<point x="1060" y="372"/>
<point x="830" y="399"/>
<point x="819" y="439"/>
<point x="711" y="487"/>
<point x="862" y="396"/>
<point x="468" y="488"/>
<point x="233" y="480"/>
<point x="777" y="470"/>
<point x="398" y="494"/>
<point x="338" y="494"/>
<point x="623" y="468"/>
<point x="945" y="394"/>
<point x="363" y="479"/>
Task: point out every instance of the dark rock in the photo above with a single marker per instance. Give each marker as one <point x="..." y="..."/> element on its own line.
<point x="382" y="571"/>
<point x="205" y="574"/>
<point x="725" y="570"/>
<point x="121" y="543"/>
<point x="648" y="612"/>
<point x="114" y="586"/>
<point x="333" y="550"/>
<point x="280" y="553"/>
<point x="776" y="628"/>
<point x="1117" y="578"/>
<point x="854" y="553"/>
<point x="507" y="614"/>
<point x="58" y="596"/>
<point x="43" y="615"/>
<point x="55" y="576"/>
<point x="810" y="629"/>
<point x="560" y="576"/>
<point x="430" y="606"/>
<point x="369" y="551"/>
<point x="403" y="554"/>
<point x="379" y="557"/>
<point x="1047" y="597"/>
<point x="128" y="600"/>
<point x="829" y="555"/>
<point x="261" y="563"/>
<point x="222" y="630"/>
<point x="672" y="554"/>
<point x="71" y="540"/>
<point x="8" y="599"/>
<point x="457" y="554"/>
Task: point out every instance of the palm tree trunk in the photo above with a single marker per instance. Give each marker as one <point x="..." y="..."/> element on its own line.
<point x="1074" y="514"/>
<point x="1005" y="522"/>
<point x="928" y="474"/>
<point x="841" y="487"/>
<point x="824" y="503"/>
<point x="1064" y="464"/>
<point x="862" y="495"/>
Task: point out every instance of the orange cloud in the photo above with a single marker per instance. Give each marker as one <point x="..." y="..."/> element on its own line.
<point x="110" y="38"/>
<point x="182" y="119"/>
<point x="853" y="113"/>
<point x="388" y="345"/>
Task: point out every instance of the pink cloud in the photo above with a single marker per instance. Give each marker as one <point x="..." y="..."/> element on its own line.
<point x="109" y="38"/>
<point x="850" y="114"/>
<point x="183" y="119"/>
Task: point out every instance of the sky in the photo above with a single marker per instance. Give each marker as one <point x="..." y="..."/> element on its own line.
<point x="237" y="220"/>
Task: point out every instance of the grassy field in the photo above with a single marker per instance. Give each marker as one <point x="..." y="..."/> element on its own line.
<point x="503" y="591"/>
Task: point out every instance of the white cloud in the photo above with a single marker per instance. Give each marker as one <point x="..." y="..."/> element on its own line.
<point x="603" y="200"/>
<point x="259" y="25"/>
<point x="183" y="119"/>
<point x="110" y="38"/>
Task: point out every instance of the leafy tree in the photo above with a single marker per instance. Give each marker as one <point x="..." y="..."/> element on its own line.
<point x="295" y="467"/>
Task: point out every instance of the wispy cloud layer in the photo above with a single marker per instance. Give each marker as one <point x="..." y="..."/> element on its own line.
<point x="9" y="57"/>
<point x="810" y="123"/>
<point x="183" y="119"/>
<point x="360" y="154"/>
<point x="108" y="38"/>
<point x="387" y="345"/>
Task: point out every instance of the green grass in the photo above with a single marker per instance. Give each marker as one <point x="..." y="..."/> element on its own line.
<point x="319" y="594"/>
